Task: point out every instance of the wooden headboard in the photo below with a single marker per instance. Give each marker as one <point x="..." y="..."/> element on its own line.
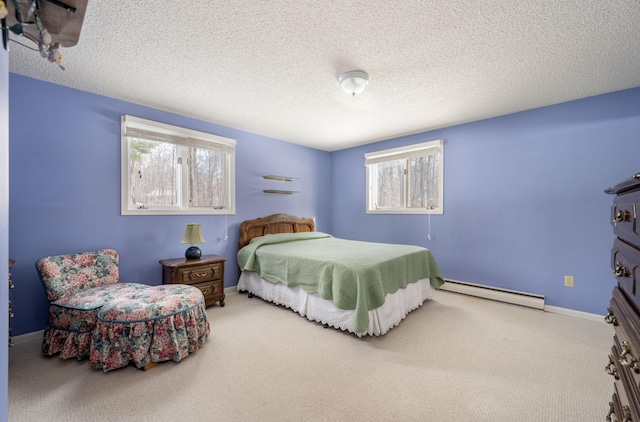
<point x="276" y="223"/>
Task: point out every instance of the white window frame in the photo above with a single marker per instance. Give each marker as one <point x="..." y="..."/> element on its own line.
<point x="406" y="152"/>
<point x="173" y="134"/>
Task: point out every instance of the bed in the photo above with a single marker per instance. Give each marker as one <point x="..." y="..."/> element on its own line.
<point x="365" y="288"/>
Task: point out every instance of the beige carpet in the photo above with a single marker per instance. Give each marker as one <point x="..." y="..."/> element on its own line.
<point x="457" y="358"/>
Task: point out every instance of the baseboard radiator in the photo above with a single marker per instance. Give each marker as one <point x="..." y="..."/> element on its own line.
<point x="502" y="295"/>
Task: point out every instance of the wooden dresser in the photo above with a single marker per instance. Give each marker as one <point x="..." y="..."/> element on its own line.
<point x="206" y="273"/>
<point x="624" y="312"/>
<point x="11" y="262"/>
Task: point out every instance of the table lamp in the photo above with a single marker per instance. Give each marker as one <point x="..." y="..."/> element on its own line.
<point x="192" y="235"/>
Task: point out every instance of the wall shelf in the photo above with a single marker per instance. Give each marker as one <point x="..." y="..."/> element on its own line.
<point x="279" y="179"/>
<point x="280" y="192"/>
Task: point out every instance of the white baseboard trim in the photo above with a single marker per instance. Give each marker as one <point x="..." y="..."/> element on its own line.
<point x="571" y="312"/>
<point x="515" y="297"/>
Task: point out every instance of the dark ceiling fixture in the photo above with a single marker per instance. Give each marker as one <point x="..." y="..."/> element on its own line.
<point x="49" y="24"/>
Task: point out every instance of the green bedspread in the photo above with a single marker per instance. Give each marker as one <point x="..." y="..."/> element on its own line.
<point x="354" y="275"/>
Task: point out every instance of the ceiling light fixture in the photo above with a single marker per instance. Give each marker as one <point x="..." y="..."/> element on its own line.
<point x="353" y="82"/>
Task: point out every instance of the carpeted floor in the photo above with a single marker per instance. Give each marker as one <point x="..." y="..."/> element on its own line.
<point x="456" y="358"/>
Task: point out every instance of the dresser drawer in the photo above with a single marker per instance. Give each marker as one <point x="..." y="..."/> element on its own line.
<point x="624" y="217"/>
<point x="625" y="320"/>
<point x="619" y="409"/>
<point x="624" y="259"/>
<point x="211" y="290"/>
<point x="198" y="274"/>
<point x="624" y="361"/>
<point x="625" y="387"/>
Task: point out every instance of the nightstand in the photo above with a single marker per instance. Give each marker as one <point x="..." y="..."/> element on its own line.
<point x="206" y="273"/>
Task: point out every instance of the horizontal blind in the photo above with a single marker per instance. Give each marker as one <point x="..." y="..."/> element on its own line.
<point x="159" y="132"/>
<point x="417" y="150"/>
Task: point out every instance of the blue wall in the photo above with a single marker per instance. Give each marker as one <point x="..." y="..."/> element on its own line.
<point x="65" y="189"/>
<point x="4" y="224"/>
<point x="523" y="198"/>
<point x="524" y="202"/>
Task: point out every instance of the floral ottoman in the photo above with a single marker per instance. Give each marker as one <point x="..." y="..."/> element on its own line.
<point x="157" y="324"/>
<point x="72" y="319"/>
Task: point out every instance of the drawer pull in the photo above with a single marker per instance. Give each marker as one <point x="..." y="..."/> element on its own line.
<point x="611" y="318"/>
<point x="626" y="416"/>
<point x="611" y="368"/>
<point x="200" y="275"/>
<point x="627" y="359"/>
<point x="611" y="412"/>
<point x="620" y="270"/>
<point x="622" y="215"/>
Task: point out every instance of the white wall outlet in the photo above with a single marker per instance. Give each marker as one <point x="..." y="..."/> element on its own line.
<point x="568" y="281"/>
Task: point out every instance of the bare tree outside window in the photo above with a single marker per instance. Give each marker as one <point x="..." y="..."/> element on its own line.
<point x="405" y="180"/>
<point x="153" y="173"/>
<point x="390" y="181"/>
<point x="206" y="178"/>
<point x="423" y="181"/>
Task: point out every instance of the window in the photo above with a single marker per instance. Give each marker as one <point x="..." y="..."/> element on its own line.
<point x="171" y="170"/>
<point x="406" y="180"/>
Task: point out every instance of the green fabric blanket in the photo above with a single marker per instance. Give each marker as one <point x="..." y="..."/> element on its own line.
<point x="354" y="275"/>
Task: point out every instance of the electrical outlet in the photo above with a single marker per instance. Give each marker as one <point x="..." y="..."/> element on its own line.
<point x="568" y="281"/>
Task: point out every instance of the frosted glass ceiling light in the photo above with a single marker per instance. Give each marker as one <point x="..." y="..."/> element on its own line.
<point x="353" y="82"/>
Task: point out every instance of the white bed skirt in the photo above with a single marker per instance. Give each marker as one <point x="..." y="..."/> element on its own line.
<point x="394" y="309"/>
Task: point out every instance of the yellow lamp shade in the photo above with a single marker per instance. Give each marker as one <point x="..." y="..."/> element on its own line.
<point x="192" y="234"/>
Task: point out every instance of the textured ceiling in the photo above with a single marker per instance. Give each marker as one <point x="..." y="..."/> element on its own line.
<point x="271" y="67"/>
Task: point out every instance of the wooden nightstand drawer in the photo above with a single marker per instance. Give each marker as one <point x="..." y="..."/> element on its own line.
<point x="199" y="274"/>
<point x="211" y="290"/>
<point x="206" y="273"/>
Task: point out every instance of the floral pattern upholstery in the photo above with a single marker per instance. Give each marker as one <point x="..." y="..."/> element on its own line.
<point x="151" y="323"/>
<point x="63" y="275"/>
<point x="157" y="324"/>
<point x="72" y="319"/>
<point x="77" y="286"/>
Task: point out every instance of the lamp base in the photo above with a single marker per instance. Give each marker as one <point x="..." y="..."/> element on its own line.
<point x="193" y="252"/>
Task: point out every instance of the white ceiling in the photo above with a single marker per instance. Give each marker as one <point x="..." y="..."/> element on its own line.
<point x="271" y="67"/>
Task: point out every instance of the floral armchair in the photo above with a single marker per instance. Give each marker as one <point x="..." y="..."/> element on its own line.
<point x="77" y="286"/>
